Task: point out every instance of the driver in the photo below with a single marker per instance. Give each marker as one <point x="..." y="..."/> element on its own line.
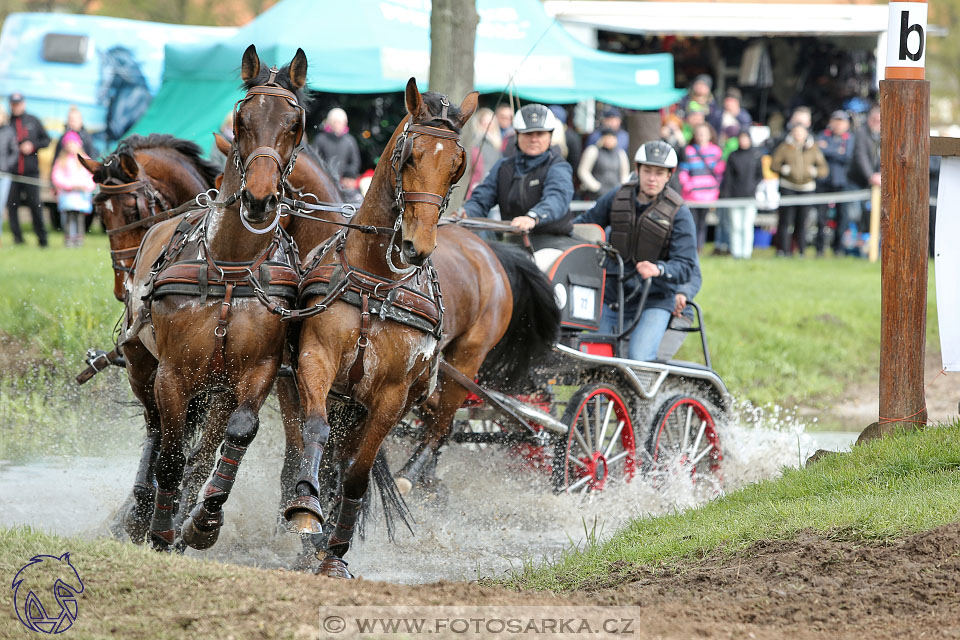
<point x="654" y="232"/>
<point x="533" y="187"/>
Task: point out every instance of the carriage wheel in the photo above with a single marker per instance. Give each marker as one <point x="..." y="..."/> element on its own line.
<point x="685" y="434"/>
<point x="600" y="445"/>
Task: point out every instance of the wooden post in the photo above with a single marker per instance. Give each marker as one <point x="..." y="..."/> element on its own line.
<point x="905" y="193"/>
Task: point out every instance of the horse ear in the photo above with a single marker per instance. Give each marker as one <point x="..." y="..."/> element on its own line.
<point x="250" y="67"/>
<point x="298" y="69"/>
<point x="129" y="165"/>
<point x="89" y="164"/>
<point x="413" y="98"/>
<point x="468" y="107"/>
<point x="218" y="181"/>
<point x="223" y="145"/>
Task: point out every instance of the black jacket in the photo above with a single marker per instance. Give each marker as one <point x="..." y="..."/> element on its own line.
<point x="28" y="127"/>
<point x="866" y="157"/>
<point x="743" y="173"/>
<point x="341" y="153"/>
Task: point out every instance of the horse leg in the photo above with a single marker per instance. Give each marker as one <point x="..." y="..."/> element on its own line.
<point x="437" y="415"/>
<point x="292" y="416"/>
<point x="359" y="454"/>
<point x="136" y="513"/>
<point x="303" y="512"/>
<point x="200" y="460"/>
<point x="172" y="401"/>
<point x="202" y="528"/>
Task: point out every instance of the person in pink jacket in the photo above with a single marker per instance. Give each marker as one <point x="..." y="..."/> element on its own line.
<point x="74" y="185"/>
<point x="701" y="173"/>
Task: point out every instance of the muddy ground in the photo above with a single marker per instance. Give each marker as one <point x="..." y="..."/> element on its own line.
<point x="812" y="587"/>
<point x="859" y="404"/>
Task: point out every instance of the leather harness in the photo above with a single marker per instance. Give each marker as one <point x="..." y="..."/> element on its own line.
<point x="645" y="236"/>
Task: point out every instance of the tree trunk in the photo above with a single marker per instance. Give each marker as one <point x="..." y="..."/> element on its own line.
<point x="453" y="31"/>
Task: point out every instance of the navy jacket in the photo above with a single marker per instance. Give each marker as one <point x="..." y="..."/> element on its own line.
<point x="678" y="267"/>
<point x="557" y="188"/>
<point x="838" y="151"/>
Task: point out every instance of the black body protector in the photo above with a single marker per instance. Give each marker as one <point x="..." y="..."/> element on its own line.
<point x="517" y="194"/>
<point x="645" y="236"/>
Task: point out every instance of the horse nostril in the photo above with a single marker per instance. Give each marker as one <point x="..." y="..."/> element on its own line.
<point x="271" y="202"/>
<point x="409" y="251"/>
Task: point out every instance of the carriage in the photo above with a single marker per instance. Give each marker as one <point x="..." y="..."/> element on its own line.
<point x="588" y="415"/>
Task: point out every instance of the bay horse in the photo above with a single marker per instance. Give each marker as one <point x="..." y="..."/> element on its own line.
<point x="144" y="181"/>
<point x="183" y="309"/>
<point x="372" y="315"/>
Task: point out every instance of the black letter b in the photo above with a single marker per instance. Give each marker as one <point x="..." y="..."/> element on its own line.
<point x="905" y="29"/>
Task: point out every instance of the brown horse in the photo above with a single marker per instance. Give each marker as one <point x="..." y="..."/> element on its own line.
<point x="379" y="356"/>
<point x="140" y="183"/>
<point x="183" y="310"/>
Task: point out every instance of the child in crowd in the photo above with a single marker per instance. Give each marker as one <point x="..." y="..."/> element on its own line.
<point x="701" y="172"/>
<point x="74" y="185"/>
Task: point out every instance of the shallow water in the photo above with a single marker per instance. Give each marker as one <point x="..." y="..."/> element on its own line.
<point x="497" y="513"/>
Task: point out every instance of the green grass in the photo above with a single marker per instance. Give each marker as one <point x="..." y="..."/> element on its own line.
<point x="791" y="331"/>
<point x="885" y="488"/>
<point x="57" y="302"/>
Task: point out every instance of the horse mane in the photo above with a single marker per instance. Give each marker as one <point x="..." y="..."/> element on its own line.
<point x="189" y="150"/>
<point x="304" y="96"/>
<point x="432" y="100"/>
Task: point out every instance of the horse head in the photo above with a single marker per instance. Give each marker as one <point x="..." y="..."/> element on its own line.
<point x="427" y="161"/>
<point x="268" y="129"/>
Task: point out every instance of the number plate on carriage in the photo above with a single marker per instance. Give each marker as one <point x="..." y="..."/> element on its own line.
<point x="582" y="302"/>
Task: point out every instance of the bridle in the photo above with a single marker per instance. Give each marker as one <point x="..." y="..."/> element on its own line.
<point x="148" y="202"/>
<point x="402" y="153"/>
<point x="272" y="89"/>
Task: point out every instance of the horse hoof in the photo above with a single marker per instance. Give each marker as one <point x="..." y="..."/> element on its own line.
<point x="334" y="567"/>
<point x="162" y="540"/>
<point x="304" y="515"/>
<point x="404" y="486"/>
<point x="202" y="528"/>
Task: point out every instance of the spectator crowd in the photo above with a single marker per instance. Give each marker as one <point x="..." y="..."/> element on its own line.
<point x="722" y="153"/>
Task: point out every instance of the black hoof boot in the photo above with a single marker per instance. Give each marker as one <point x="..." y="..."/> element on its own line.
<point x="202" y="528"/>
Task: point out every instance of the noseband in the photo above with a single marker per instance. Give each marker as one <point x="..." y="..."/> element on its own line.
<point x="152" y="207"/>
<point x="272" y="89"/>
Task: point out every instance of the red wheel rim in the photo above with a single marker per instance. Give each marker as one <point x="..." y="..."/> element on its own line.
<point x="591" y="455"/>
<point x="694" y="443"/>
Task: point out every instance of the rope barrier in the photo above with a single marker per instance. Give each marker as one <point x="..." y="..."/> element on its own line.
<point x="907" y="419"/>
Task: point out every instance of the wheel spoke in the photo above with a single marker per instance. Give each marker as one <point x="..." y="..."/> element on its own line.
<point x="686" y="429"/>
<point x="672" y="442"/>
<point x="703" y="428"/>
<point x="576" y="432"/>
<point x="700" y="455"/>
<point x="576" y="461"/>
<point x="613" y="440"/>
<point x="587" y="432"/>
<point x="617" y="457"/>
<point x="606" y="422"/>
<point x="578" y="483"/>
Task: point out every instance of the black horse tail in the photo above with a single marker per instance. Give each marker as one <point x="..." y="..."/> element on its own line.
<point x="534" y="325"/>
<point x="391" y="502"/>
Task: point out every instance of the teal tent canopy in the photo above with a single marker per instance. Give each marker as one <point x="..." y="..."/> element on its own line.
<point x="375" y="47"/>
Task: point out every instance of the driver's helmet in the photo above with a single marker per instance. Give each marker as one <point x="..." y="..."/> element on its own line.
<point x="657" y="153"/>
<point x="534" y="117"/>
